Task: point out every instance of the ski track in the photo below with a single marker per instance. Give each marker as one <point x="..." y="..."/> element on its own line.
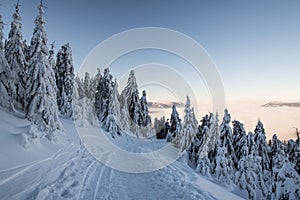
<point x="73" y="173"/>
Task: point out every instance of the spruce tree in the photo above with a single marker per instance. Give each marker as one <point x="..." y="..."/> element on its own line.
<point x="145" y="117"/>
<point x="14" y="53"/>
<point x="104" y="90"/>
<point x="285" y="179"/>
<point x="65" y="80"/>
<point x="189" y="127"/>
<point x="222" y="170"/>
<point x="41" y="89"/>
<point x="111" y="122"/>
<point x="263" y="150"/>
<point x="226" y="138"/>
<point x="175" y="122"/>
<point x="239" y="139"/>
<point x="5" y="76"/>
<point x="86" y="85"/>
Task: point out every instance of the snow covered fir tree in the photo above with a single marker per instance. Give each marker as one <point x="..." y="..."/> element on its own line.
<point x="40" y="91"/>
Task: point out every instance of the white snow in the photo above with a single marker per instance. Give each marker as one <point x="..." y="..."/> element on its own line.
<point x="63" y="169"/>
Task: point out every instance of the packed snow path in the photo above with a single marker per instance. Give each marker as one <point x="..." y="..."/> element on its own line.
<point x="73" y="173"/>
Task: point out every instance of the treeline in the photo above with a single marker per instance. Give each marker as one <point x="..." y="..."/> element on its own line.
<point x="229" y="155"/>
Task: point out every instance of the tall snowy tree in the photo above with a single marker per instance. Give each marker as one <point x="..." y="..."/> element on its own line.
<point x="135" y="108"/>
<point x="285" y="179"/>
<point x="14" y="53"/>
<point x="65" y="80"/>
<point x="210" y="134"/>
<point x="5" y="76"/>
<point x="130" y="105"/>
<point x="83" y="108"/>
<point x="86" y="85"/>
<point x="51" y="59"/>
<point x="222" y="170"/>
<point x="41" y="89"/>
<point x="79" y="86"/>
<point x="145" y="117"/>
<point x="226" y="138"/>
<point x="111" y="121"/>
<point x="239" y="139"/>
<point x="129" y="89"/>
<point x="103" y="94"/>
<point x="94" y="84"/>
<point x="263" y="150"/>
<point x="293" y="151"/>
<point x="175" y="122"/>
<point x="189" y="127"/>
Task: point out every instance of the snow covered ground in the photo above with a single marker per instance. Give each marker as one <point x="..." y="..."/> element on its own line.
<point x="64" y="169"/>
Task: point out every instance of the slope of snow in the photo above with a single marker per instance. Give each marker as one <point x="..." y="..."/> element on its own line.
<point x="66" y="170"/>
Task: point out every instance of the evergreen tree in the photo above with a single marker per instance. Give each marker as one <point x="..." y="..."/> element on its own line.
<point x="135" y="108"/>
<point x="227" y="141"/>
<point x="79" y="90"/>
<point x="145" y="118"/>
<point x="111" y="122"/>
<point x="83" y="108"/>
<point x="94" y="84"/>
<point x="293" y="152"/>
<point x="129" y="89"/>
<point x="65" y="80"/>
<point x="175" y="122"/>
<point x="189" y="128"/>
<point x="245" y="176"/>
<point x="40" y="86"/>
<point x="5" y="77"/>
<point x="285" y="179"/>
<point x="222" y="171"/>
<point x="260" y="140"/>
<point x="239" y="139"/>
<point x="86" y="85"/>
<point x="104" y="90"/>
<point x="52" y="60"/>
<point x="14" y="53"/>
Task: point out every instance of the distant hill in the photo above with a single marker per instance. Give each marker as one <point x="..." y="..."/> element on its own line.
<point x="168" y="104"/>
<point x="281" y="104"/>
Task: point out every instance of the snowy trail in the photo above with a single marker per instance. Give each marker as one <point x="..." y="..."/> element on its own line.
<point x="73" y="173"/>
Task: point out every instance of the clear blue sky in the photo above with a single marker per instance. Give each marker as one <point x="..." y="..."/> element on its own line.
<point x="255" y="44"/>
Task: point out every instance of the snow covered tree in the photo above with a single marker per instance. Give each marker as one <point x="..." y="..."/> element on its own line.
<point x="65" y="80"/>
<point x="201" y="147"/>
<point x="226" y="138"/>
<point x="239" y="139"/>
<point x="263" y="150"/>
<point x="175" y="122"/>
<point x="104" y="90"/>
<point x="144" y="118"/>
<point x="245" y="176"/>
<point x="51" y="59"/>
<point x="83" y="108"/>
<point x="111" y="119"/>
<point x="135" y="107"/>
<point x="125" y="102"/>
<point x="293" y="152"/>
<point x="86" y="85"/>
<point x="107" y="103"/>
<point x="222" y="171"/>
<point x="14" y="53"/>
<point x="129" y="89"/>
<point x="5" y="77"/>
<point x="285" y="179"/>
<point x="41" y="89"/>
<point x="189" y="127"/>
<point x="209" y="131"/>
<point x="94" y="84"/>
